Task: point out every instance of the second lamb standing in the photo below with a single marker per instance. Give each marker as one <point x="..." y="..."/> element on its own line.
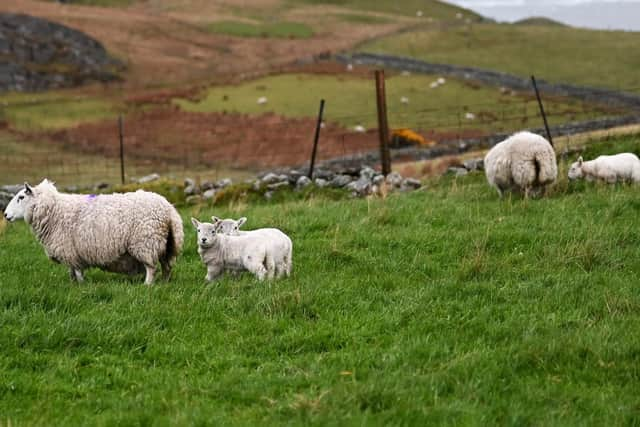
<point x="265" y="252"/>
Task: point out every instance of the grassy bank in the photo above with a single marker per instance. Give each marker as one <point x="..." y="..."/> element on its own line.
<point x="554" y="53"/>
<point x="444" y="306"/>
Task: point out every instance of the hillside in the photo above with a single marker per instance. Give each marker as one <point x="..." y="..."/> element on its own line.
<point x="558" y="54"/>
<point x="171" y="42"/>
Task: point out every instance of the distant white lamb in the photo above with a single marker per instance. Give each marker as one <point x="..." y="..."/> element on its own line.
<point x="284" y="252"/>
<point x="256" y="253"/>
<point x="124" y="233"/>
<point x="611" y="169"/>
<point x="523" y="162"/>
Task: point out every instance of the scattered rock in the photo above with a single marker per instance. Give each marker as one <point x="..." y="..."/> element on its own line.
<point x="457" y="171"/>
<point x="5" y="198"/>
<point x="340" y="181"/>
<point x="209" y="194"/>
<point x="378" y="179"/>
<point x="268" y="195"/>
<point x="474" y="164"/>
<point x="270" y="178"/>
<point x="394" y="179"/>
<point x="368" y="173"/>
<point x="325" y="174"/>
<point x="361" y="187"/>
<point x="223" y="183"/>
<point x="207" y="185"/>
<point x="303" y="182"/>
<point x="13" y="189"/>
<point x="278" y="185"/>
<point x="194" y="199"/>
<point x="321" y="183"/>
<point x="192" y="189"/>
<point x="411" y="183"/>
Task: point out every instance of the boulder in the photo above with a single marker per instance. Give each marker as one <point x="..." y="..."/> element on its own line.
<point x="303" y="182"/>
<point x="340" y="181"/>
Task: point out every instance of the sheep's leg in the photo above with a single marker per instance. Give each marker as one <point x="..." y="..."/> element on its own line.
<point x="258" y="269"/>
<point x="213" y="272"/>
<point x="76" y="275"/>
<point x="166" y="269"/>
<point x="270" y="266"/>
<point x="151" y="272"/>
<point x="288" y="265"/>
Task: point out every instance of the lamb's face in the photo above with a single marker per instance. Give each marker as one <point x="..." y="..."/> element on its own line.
<point x="21" y="205"/>
<point x="575" y="172"/>
<point x="228" y="226"/>
<point x="206" y="233"/>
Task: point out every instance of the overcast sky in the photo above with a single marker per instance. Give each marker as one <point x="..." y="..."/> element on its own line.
<point x="605" y="14"/>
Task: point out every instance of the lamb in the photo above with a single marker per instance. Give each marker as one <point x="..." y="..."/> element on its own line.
<point x="255" y="253"/>
<point x="524" y="161"/>
<point x="123" y="233"/>
<point x="611" y="169"/>
<point x="283" y="261"/>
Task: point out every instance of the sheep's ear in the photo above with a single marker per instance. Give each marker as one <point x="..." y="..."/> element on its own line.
<point x="580" y="161"/>
<point x="195" y="222"/>
<point x="27" y="189"/>
<point x="241" y="221"/>
<point x="215" y="219"/>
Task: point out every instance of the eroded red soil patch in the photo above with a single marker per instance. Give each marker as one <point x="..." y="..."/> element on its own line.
<point x="209" y="139"/>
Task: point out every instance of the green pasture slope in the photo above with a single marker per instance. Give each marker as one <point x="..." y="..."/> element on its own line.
<point x="555" y="53"/>
<point x="351" y="101"/>
<point x="444" y="306"/>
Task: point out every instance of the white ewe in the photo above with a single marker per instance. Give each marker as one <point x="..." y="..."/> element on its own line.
<point x="123" y="233"/>
<point x="618" y="167"/>
<point x="283" y="247"/>
<point x="219" y="252"/>
<point x="524" y="161"/>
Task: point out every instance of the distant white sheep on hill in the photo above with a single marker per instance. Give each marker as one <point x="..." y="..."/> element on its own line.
<point x="523" y="162"/>
<point x="611" y="169"/>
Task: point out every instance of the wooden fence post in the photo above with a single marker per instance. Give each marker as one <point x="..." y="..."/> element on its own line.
<point x="383" y="126"/>
<point x="315" y="139"/>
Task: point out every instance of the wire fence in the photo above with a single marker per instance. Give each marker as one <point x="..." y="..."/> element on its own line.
<point x="169" y="141"/>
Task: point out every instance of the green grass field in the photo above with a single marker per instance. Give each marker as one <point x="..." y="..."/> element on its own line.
<point x="554" y="53"/>
<point x="446" y="306"/>
<point x="293" y="30"/>
<point x="350" y="101"/>
<point x="55" y="110"/>
<point x="430" y="8"/>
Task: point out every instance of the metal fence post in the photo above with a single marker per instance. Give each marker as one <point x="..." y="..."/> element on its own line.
<point x="121" y="133"/>
<point x="315" y="139"/>
<point x="544" y="116"/>
<point x="383" y="126"/>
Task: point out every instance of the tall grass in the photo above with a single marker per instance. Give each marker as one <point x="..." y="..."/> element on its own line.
<point x="442" y="306"/>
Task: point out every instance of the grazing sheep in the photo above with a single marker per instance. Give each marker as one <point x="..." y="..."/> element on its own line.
<point x="123" y="233"/>
<point x="611" y="169"/>
<point x="284" y="246"/>
<point x="252" y="252"/>
<point x="524" y="161"/>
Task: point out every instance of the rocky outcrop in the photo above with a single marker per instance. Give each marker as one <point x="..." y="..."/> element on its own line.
<point x="36" y="54"/>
